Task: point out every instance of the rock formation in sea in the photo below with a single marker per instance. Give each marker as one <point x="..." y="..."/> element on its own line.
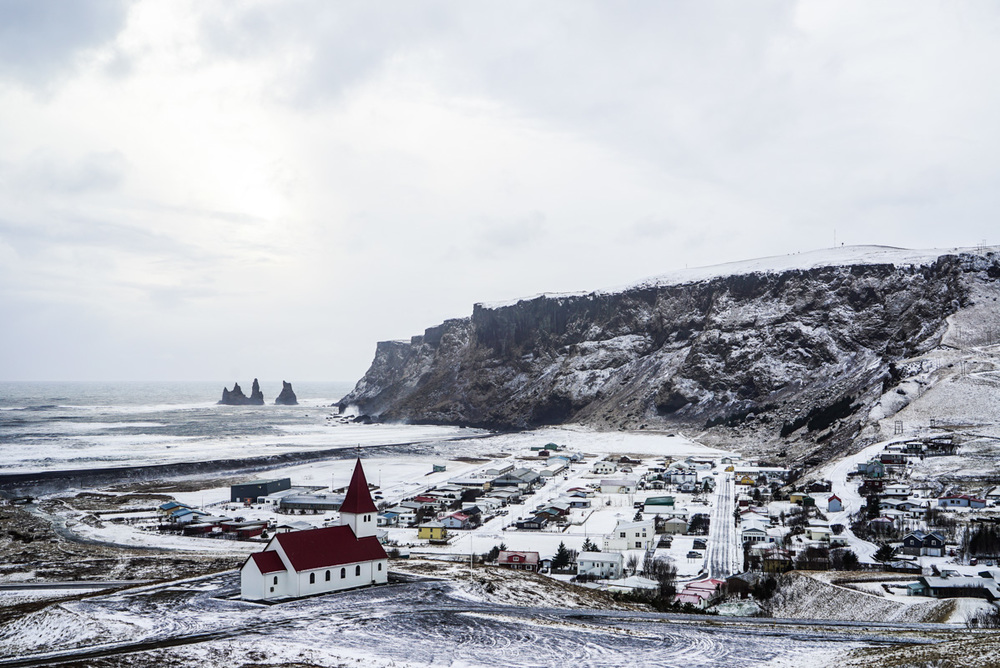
<point x="287" y="396"/>
<point x="235" y="397"/>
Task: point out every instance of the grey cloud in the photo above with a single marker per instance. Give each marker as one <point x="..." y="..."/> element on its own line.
<point x="499" y="237"/>
<point x="48" y="174"/>
<point x="40" y="39"/>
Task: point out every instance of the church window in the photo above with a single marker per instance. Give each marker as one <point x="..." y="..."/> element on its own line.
<point x="357" y="570"/>
<point x="275" y="579"/>
<point x="328" y="576"/>
<point x="312" y="578"/>
<point x="343" y="573"/>
<point x="380" y="566"/>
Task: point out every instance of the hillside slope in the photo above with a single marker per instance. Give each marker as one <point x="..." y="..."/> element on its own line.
<point x="770" y="351"/>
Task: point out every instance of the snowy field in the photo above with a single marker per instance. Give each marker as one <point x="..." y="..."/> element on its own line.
<point x="422" y="623"/>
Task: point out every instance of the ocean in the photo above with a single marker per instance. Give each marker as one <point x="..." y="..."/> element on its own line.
<point x="47" y="426"/>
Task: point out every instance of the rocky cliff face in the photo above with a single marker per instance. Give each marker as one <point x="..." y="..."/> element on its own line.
<point x="781" y="353"/>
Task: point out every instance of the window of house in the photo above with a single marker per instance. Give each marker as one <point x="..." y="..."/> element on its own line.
<point x="328" y="576"/>
<point x="343" y="573"/>
<point x="357" y="570"/>
<point x="622" y="534"/>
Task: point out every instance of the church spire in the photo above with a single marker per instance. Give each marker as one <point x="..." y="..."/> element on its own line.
<point x="358" y="499"/>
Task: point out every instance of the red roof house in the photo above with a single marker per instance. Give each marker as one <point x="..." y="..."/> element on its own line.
<point x="527" y="561"/>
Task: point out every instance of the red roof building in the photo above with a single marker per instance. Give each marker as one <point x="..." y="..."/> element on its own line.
<point x="527" y="561"/>
<point x="318" y="561"/>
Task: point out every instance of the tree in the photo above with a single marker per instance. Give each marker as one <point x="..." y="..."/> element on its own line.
<point x="589" y="546"/>
<point x="885" y="553"/>
<point x="561" y="560"/>
<point x="632" y="564"/>
<point x="638" y="516"/>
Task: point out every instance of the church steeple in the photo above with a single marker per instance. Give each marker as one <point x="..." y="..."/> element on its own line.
<point x="358" y="510"/>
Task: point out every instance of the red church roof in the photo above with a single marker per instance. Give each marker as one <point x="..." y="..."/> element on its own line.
<point x="358" y="499"/>
<point x="329" y="546"/>
<point x="268" y="562"/>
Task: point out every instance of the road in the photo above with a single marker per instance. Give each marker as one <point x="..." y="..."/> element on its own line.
<point x="724" y="551"/>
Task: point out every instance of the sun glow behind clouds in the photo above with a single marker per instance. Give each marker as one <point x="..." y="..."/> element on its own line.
<point x="286" y="183"/>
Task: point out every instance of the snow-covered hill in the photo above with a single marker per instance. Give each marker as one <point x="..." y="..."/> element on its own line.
<point x="801" y="349"/>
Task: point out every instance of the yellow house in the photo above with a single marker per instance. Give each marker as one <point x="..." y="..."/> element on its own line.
<point x="432" y="531"/>
<point x="746" y="480"/>
<point x="730" y="469"/>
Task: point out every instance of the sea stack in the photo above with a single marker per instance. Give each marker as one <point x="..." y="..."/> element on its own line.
<point x="287" y="396"/>
<point x="256" y="396"/>
<point x="235" y="397"/>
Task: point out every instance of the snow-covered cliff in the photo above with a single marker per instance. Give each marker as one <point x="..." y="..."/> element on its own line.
<point x="786" y="346"/>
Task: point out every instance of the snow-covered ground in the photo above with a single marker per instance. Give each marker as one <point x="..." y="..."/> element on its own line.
<point x="461" y="621"/>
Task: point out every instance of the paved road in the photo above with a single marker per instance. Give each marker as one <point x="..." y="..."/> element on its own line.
<point x="724" y="553"/>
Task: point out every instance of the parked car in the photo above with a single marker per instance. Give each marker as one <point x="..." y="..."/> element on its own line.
<point x="694" y="555"/>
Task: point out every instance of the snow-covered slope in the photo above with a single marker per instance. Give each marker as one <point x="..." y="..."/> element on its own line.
<point x="789" y="346"/>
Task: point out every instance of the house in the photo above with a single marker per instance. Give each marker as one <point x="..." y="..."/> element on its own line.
<point x="187" y="515"/>
<point x="819" y="486"/>
<point x="957" y="587"/>
<point x="675" y="477"/>
<point x="873" y="468"/>
<point x="753" y="532"/>
<point x="881" y="524"/>
<point x="522" y="561"/>
<point x="387" y="519"/>
<point x="892" y="458"/>
<point x="317" y="561"/>
<point x="577" y="502"/>
<point x="622" y="486"/>
<point x="675" y="525"/>
<point x="604" y="468"/>
<point x="961" y="501"/>
<point x="169" y="507"/>
<point x="535" y="523"/>
<point x="921" y="544"/>
<point x="456" y="521"/>
<point x="896" y="491"/>
<point x="432" y="531"/>
<point x="630" y="536"/>
<point x="818" y="531"/>
<point x="700" y="594"/>
<point x="605" y="565"/>
<point x="802" y="499"/>
<point x="834" y="504"/>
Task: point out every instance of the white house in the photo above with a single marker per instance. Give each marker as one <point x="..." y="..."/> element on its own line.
<point x="834" y="504"/>
<point x="624" y="486"/>
<point x="604" y="468"/>
<point x="302" y="563"/>
<point x="607" y="565"/>
<point x="630" y="536"/>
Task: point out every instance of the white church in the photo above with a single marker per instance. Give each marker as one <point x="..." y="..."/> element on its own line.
<point x="317" y="561"/>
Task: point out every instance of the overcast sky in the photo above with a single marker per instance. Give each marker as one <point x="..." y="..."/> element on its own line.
<point x="221" y="190"/>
